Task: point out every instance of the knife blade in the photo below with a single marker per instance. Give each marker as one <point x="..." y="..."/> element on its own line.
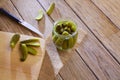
<point x="22" y="22"/>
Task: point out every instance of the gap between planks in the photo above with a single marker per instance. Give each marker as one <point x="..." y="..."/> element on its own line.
<point x="51" y="18"/>
<point x="107" y="51"/>
<point x="45" y="10"/>
<point x="87" y="64"/>
<point x="93" y="32"/>
<point x="105" y="15"/>
<point x="17" y="10"/>
<point x="23" y="19"/>
<point x="61" y="78"/>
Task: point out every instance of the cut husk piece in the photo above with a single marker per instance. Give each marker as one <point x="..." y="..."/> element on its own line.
<point x="24" y="52"/>
<point x="32" y="50"/>
<point x="51" y="8"/>
<point x="15" y="38"/>
<point x="30" y="40"/>
<point x="40" y="15"/>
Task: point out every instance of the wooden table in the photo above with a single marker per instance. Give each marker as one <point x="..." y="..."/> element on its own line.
<point x="97" y="57"/>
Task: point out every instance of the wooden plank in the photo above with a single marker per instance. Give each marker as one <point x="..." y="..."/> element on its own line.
<point x="10" y="62"/>
<point x="47" y="70"/>
<point x="29" y="12"/>
<point x="93" y="53"/>
<point x="68" y="55"/>
<point x="75" y="69"/>
<point x="45" y="26"/>
<point x="46" y="23"/>
<point x="58" y="77"/>
<point x="111" y="9"/>
<point x="17" y="6"/>
<point x="7" y="24"/>
<point x="100" y="25"/>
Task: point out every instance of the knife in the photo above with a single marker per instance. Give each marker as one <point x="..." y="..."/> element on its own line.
<point x="22" y="22"/>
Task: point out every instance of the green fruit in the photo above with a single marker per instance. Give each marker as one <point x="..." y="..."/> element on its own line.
<point x="54" y="38"/>
<point x="15" y="38"/>
<point x="30" y="40"/>
<point x="61" y="30"/>
<point x="65" y="44"/>
<point x="70" y="42"/>
<point x="75" y="38"/>
<point x="69" y="24"/>
<point x="40" y="16"/>
<point x="34" y="44"/>
<point x="69" y="30"/>
<point x="65" y="29"/>
<point x="31" y="50"/>
<point x="64" y="24"/>
<point x="24" y="52"/>
<point x="65" y="33"/>
<point x="50" y="9"/>
<point x="59" y="41"/>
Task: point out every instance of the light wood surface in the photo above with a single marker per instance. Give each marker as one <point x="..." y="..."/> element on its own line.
<point x="103" y="28"/>
<point x="29" y="12"/>
<point x="96" y="58"/>
<point x="10" y="64"/>
<point x="111" y="11"/>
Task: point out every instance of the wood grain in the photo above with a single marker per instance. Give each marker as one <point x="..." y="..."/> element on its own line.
<point x="47" y="70"/>
<point x="10" y="59"/>
<point x="28" y="8"/>
<point x="29" y="12"/>
<point x="68" y="55"/>
<point x="95" y="56"/>
<point x="111" y="9"/>
<point x="47" y="25"/>
<point x="32" y="17"/>
<point x="75" y="70"/>
<point x="9" y="25"/>
<point x="58" y="77"/>
<point x="91" y="50"/>
<point x="99" y="24"/>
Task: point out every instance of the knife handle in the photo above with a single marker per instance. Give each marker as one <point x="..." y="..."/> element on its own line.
<point x="9" y="15"/>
